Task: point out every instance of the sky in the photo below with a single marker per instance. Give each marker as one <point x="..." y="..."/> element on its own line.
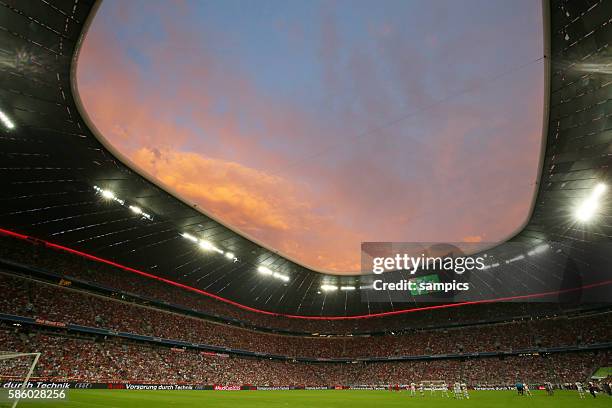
<point x="313" y="126"/>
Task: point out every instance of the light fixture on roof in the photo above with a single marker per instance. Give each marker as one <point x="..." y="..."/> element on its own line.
<point x="516" y="258"/>
<point x="264" y="270"/>
<point x="280" y="276"/>
<point x="589" y="207"/>
<point x="6" y="121"/>
<point x="347" y="288"/>
<point x="538" y="250"/>
<point x="189" y="237"/>
<point x="138" y="211"/>
<point x="207" y="245"/>
<point x="329" y="288"/>
<point x="109" y="195"/>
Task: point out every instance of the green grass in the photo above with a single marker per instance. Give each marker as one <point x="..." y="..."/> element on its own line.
<point x="318" y="399"/>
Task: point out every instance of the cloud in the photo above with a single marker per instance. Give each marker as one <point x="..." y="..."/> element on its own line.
<point x="262" y="205"/>
<point x="247" y="198"/>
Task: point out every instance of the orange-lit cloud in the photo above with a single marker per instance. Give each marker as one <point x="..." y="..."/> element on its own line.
<point x="247" y="198"/>
<point x="259" y="204"/>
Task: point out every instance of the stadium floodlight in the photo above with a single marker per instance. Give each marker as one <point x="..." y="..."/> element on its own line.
<point x="347" y="288"/>
<point x="207" y="245"/>
<point x="600" y="189"/>
<point x="516" y="258"/>
<point x="538" y="250"/>
<point x="590" y="205"/>
<point x="189" y="237"/>
<point x="108" y="194"/>
<point x="264" y="270"/>
<point x="138" y="210"/>
<point x="202" y="243"/>
<point x="329" y="288"/>
<point x="6" y="121"/>
<point x="280" y="276"/>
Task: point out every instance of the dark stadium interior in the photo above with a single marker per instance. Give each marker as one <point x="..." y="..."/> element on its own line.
<point x="77" y="272"/>
<point x="49" y="193"/>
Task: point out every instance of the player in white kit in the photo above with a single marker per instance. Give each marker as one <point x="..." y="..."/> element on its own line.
<point x="465" y="390"/>
<point x="457" y="391"/>
<point x="412" y="389"/>
<point x="580" y="390"/>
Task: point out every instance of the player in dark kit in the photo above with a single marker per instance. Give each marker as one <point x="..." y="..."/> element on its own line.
<point x="519" y="388"/>
<point x="549" y="389"/>
<point x="593" y="389"/>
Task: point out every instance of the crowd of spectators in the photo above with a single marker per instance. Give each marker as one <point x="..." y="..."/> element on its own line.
<point x="102" y="359"/>
<point x="49" y="302"/>
<point x="559" y="368"/>
<point x="113" y="360"/>
<point x="75" y="267"/>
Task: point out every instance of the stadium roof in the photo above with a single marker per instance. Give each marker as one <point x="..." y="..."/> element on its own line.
<point x="61" y="184"/>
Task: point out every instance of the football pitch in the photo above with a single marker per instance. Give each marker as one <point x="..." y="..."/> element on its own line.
<point x="319" y="399"/>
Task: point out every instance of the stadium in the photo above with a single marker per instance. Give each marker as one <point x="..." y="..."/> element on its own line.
<point x="117" y="291"/>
